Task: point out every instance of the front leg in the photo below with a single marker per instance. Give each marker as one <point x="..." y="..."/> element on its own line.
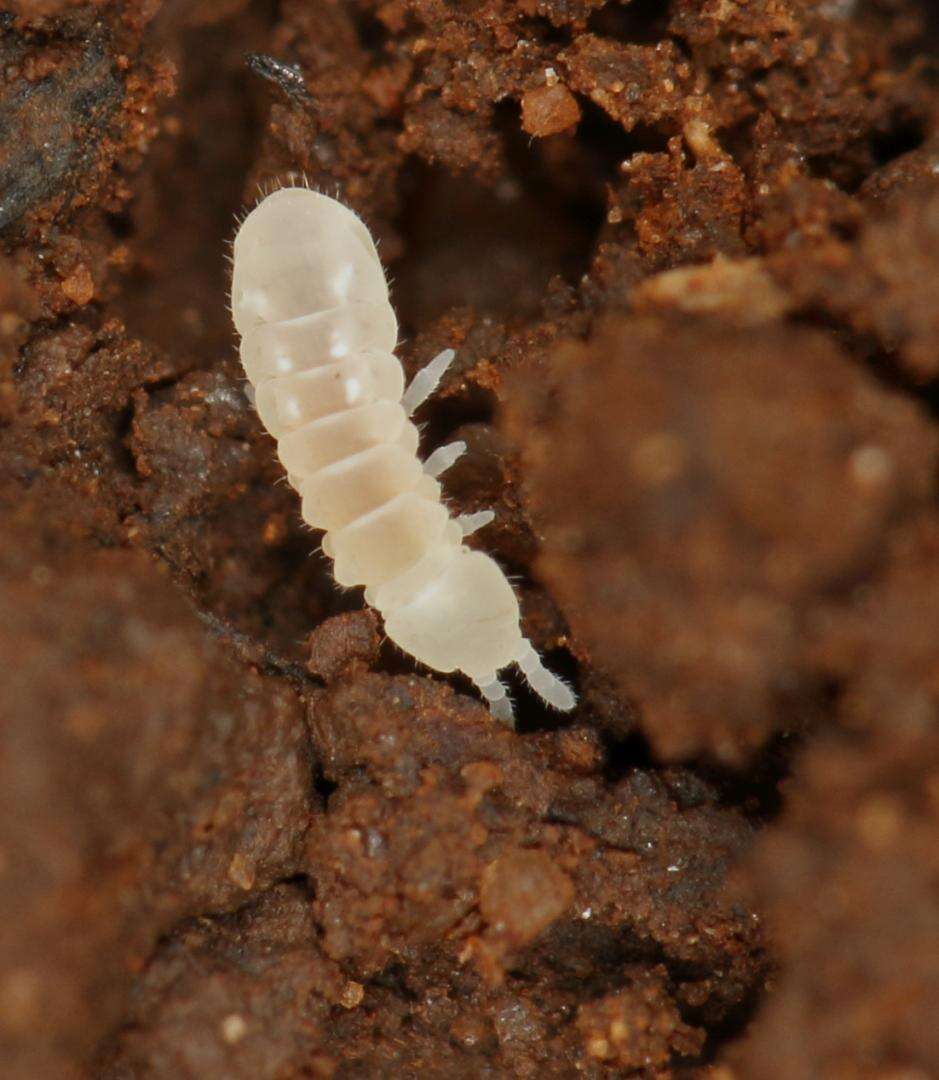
<point x="426" y="381"/>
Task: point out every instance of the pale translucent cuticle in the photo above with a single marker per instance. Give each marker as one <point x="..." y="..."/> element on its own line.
<point x="310" y="300"/>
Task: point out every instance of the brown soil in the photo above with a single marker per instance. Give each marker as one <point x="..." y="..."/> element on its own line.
<point x="687" y="254"/>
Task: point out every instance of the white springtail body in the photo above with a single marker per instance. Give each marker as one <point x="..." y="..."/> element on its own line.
<point x="310" y="301"/>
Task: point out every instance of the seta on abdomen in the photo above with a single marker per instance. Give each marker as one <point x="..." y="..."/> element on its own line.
<point x="310" y="301"/>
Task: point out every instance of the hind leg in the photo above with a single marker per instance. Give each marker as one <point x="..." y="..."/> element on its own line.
<point x="500" y="704"/>
<point x="551" y="688"/>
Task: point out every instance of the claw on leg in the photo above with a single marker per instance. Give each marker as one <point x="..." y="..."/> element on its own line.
<point x="443" y="457"/>
<point x="551" y="688"/>
<point x="426" y="381"/>
<point x="470" y="523"/>
<point x="500" y="704"/>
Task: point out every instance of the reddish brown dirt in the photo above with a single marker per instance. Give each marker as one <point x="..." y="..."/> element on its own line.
<point x="687" y="255"/>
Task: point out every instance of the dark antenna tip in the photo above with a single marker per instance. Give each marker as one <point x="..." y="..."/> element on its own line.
<point x="288" y="78"/>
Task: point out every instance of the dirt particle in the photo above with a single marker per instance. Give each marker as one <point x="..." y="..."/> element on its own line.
<point x="740" y="289"/>
<point x="352" y="995"/>
<point x="548" y="110"/>
<point x="637" y="1028"/>
<point x="241" y="872"/>
<point x="79" y="286"/>
<point x="234" y="1028"/>
<point x="522" y="893"/>
<point x="343" y="643"/>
